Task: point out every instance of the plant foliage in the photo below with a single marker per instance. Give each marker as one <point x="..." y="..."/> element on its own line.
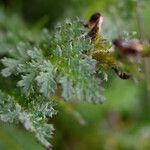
<point x="49" y="67"/>
<point x="52" y="65"/>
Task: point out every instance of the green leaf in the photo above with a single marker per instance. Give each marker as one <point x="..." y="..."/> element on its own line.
<point x="67" y="91"/>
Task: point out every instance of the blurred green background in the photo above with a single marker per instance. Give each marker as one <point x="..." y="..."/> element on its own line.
<point x="123" y="121"/>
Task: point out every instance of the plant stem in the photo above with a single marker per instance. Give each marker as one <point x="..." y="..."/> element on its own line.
<point x="68" y="108"/>
<point x="143" y="39"/>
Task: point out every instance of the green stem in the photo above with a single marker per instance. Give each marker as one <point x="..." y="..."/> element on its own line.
<point x="69" y="109"/>
<point x="143" y="39"/>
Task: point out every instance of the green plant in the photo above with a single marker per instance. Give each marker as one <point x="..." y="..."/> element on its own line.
<point x="55" y="66"/>
<point x="44" y="69"/>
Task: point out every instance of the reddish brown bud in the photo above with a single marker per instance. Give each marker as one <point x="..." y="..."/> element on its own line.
<point x="95" y="20"/>
<point x="122" y="75"/>
<point x="94" y="25"/>
<point x="128" y="46"/>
